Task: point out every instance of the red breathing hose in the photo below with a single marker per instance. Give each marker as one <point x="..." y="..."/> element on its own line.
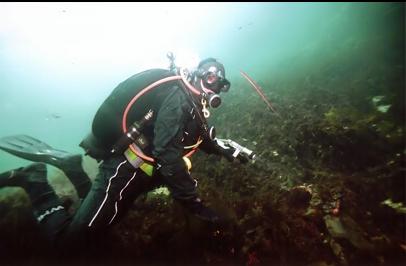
<point x="136" y="97"/>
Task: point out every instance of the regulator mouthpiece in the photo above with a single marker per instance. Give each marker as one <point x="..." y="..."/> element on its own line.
<point x="214" y="100"/>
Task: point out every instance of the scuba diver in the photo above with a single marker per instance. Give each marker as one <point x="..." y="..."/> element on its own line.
<point x="142" y="136"/>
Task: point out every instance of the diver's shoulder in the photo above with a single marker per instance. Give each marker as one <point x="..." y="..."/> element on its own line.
<point x="148" y="75"/>
<point x="155" y="71"/>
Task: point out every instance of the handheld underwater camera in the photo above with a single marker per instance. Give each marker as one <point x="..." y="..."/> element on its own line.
<point x="239" y="150"/>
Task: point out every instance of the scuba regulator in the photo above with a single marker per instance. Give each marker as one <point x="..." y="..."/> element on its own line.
<point x="209" y="75"/>
<point x="212" y="80"/>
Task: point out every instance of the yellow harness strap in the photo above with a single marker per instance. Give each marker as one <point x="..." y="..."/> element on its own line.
<point x="137" y="162"/>
<point x="188" y="163"/>
<point x="147" y="168"/>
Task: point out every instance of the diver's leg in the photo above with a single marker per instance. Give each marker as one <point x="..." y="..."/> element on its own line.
<point x="103" y="203"/>
<point x="32" y="149"/>
<point x="48" y="208"/>
<point x="141" y="184"/>
<point x="72" y="167"/>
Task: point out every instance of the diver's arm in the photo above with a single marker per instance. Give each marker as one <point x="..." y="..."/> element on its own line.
<point x="210" y="146"/>
<point x="230" y="152"/>
<point x="168" y="147"/>
<point x="168" y="152"/>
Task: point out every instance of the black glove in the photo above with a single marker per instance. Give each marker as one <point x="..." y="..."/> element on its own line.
<point x="242" y="159"/>
<point x="227" y="153"/>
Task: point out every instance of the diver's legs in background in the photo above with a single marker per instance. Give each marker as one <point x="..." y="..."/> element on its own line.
<point x="111" y="195"/>
<point x="72" y="167"/>
<point x="48" y="208"/>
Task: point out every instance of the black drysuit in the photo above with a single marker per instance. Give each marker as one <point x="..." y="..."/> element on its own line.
<point x="175" y="124"/>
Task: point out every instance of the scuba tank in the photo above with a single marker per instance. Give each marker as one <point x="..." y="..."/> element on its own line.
<point x="109" y="135"/>
<point x="107" y="125"/>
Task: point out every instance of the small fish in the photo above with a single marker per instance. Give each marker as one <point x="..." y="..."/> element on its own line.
<point x="52" y="116"/>
<point x="240" y="27"/>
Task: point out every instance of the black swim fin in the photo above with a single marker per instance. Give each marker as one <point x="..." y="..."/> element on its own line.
<point x="32" y="149"/>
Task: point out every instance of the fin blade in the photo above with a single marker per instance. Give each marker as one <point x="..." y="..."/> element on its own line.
<point x="31" y="149"/>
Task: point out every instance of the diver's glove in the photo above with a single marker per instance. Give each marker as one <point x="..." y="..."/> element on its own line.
<point x="231" y="150"/>
<point x="242" y="159"/>
<point x="229" y="154"/>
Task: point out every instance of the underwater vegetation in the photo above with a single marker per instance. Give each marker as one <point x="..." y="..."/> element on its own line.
<point x="327" y="188"/>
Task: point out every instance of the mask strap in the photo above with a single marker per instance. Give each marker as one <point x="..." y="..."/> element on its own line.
<point x="183" y="73"/>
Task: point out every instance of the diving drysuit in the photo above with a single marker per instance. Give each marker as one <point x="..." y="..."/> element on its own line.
<point x="176" y="124"/>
